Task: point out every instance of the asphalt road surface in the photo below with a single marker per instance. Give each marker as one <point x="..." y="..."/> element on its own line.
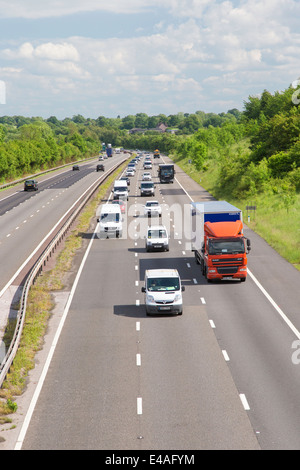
<point x="221" y="376"/>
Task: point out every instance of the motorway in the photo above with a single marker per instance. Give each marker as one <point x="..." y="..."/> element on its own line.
<point x="27" y="218"/>
<point x="221" y="376"/>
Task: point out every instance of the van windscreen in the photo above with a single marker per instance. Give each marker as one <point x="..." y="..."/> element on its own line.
<point x="162" y="284"/>
<point x="110" y="217"/>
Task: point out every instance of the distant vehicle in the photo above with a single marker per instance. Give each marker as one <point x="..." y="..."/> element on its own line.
<point x="121" y="190"/>
<point x="166" y="173"/>
<point x="31" y="185"/>
<point x="75" y="167"/>
<point x="163" y="291"/>
<point x="121" y="204"/>
<point x="109" y="150"/>
<point x="101" y="158"/>
<point x="152" y="209"/>
<point x="157" y="238"/>
<point x="118" y="150"/>
<point x="146" y="176"/>
<point x="147" y="165"/>
<point x="129" y="172"/>
<point x="125" y="178"/>
<point x="147" y="188"/>
<point x="156" y="153"/>
<point x="131" y="166"/>
<point x="100" y="167"/>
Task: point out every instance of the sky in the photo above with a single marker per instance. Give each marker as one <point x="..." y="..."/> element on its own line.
<point x="122" y="57"/>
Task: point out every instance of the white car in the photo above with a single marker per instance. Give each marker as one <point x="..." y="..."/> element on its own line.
<point x="146" y="176"/>
<point x="157" y="238"/>
<point x="152" y="209"/>
<point x="130" y="172"/>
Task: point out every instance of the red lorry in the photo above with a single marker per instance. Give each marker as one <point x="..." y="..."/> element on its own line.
<point x="219" y="244"/>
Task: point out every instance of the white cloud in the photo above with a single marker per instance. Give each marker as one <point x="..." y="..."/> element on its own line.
<point x="203" y="50"/>
<point x="52" y="51"/>
<point x="44" y="9"/>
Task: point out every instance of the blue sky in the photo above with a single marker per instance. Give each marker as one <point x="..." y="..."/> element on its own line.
<point x="122" y="57"/>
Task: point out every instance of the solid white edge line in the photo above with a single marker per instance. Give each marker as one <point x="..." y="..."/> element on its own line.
<point x="226" y="357"/>
<point x="278" y="309"/>
<point x="244" y="401"/>
<point x="38" y="389"/>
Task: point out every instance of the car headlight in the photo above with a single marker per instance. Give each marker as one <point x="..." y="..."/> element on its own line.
<point x="150" y="299"/>
<point x="177" y="297"/>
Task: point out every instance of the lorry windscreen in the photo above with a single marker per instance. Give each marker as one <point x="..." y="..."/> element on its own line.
<point x="226" y="246"/>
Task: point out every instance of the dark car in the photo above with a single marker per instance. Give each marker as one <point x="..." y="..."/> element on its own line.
<point x="75" y="167"/>
<point x="31" y="185"/>
<point x="100" y="167"/>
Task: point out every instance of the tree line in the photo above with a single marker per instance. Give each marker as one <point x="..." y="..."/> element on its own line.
<point x="28" y="145"/>
<point x="255" y="149"/>
<point x="260" y="152"/>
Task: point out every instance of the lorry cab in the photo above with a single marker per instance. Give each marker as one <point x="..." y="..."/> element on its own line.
<point x="219" y="245"/>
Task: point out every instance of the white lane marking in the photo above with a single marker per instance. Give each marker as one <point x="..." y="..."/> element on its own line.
<point x="138" y="326"/>
<point x="137" y="303"/>
<point x="202" y="300"/>
<point x="278" y="309"/>
<point x="139" y="406"/>
<point x="188" y="265"/>
<point x="212" y="324"/>
<point x="138" y="360"/>
<point x="244" y="401"/>
<point x="195" y="281"/>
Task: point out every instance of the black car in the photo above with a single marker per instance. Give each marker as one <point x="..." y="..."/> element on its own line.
<point x="31" y="185"/>
<point x="100" y="167"/>
<point x="75" y="167"/>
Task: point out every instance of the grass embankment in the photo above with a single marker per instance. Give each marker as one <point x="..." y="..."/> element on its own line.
<point x="40" y="304"/>
<point x="275" y="220"/>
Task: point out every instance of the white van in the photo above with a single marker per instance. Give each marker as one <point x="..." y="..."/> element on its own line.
<point x="121" y="190"/>
<point x="157" y="238"/>
<point x="163" y="291"/>
<point x="110" y="221"/>
<point x="147" y="188"/>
